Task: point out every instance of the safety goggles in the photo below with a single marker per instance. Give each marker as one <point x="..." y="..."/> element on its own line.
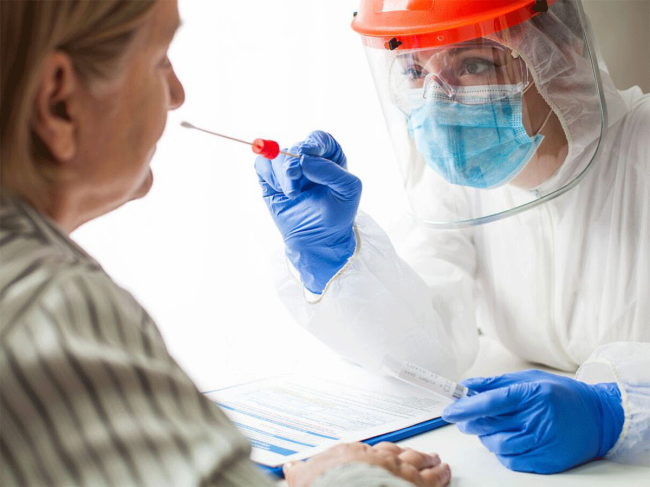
<point x="476" y="72"/>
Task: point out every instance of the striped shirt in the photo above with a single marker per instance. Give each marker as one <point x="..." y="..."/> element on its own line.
<point x="89" y="393"/>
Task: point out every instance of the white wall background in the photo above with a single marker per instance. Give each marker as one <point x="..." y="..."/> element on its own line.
<point x="623" y="31"/>
<point x="197" y="250"/>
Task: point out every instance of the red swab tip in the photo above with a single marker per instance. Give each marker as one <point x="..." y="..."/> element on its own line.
<point x="269" y="149"/>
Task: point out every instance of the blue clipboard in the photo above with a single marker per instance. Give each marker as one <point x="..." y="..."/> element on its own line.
<point x="398" y="435"/>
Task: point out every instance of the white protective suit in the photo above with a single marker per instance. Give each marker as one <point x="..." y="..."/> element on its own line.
<point x="556" y="284"/>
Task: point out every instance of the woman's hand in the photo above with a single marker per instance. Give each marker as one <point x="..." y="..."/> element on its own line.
<point x="421" y="469"/>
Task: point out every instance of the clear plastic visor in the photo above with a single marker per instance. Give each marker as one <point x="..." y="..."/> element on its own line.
<point x="488" y="128"/>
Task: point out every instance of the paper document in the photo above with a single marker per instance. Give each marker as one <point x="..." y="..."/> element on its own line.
<point x="295" y="417"/>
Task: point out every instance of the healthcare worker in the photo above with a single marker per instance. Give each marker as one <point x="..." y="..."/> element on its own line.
<point x="528" y="180"/>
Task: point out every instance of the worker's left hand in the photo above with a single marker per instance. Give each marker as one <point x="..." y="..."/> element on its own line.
<point x="539" y="422"/>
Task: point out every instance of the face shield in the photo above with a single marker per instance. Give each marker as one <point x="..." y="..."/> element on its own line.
<point x="492" y="110"/>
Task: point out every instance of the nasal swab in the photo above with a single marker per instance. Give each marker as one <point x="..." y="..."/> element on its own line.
<point x="268" y="149"/>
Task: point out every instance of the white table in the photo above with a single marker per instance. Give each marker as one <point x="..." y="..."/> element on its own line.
<point x="473" y="465"/>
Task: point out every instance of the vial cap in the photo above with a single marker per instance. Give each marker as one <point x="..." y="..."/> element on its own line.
<point x="269" y="149"/>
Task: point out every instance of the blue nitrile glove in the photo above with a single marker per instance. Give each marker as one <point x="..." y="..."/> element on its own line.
<point x="539" y="422"/>
<point x="313" y="201"/>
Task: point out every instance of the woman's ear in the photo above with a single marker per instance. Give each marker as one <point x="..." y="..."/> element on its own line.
<point x="51" y="118"/>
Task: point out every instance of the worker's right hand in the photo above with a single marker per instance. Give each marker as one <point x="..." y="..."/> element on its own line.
<point x="313" y="201"/>
<point x="420" y="469"/>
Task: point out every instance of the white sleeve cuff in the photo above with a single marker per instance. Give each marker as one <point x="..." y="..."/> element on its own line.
<point x="627" y="364"/>
<point x="313" y="298"/>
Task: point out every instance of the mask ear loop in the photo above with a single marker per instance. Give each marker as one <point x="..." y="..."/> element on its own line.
<point x="548" y="115"/>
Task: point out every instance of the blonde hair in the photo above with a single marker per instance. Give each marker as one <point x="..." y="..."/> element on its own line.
<point x="94" y="33"/>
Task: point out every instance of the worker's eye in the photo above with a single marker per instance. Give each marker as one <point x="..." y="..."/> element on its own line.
<point x="475" y="66"/>
<point x="414" y="72"/>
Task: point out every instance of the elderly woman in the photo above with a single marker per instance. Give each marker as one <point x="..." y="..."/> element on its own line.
<point x="89" y="393"/>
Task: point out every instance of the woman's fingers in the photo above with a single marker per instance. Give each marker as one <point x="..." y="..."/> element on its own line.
<point x="490" y="425"/>
<point x="504" y="401"/>
<point x="293" y="471"/>
<point x="266" y="177"/>
<point x="438" y="476"/>
<point x="419" y="460"/>
<point x="385" y="446"/>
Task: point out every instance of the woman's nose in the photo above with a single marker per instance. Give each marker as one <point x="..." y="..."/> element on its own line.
<point x="176" y="92"/>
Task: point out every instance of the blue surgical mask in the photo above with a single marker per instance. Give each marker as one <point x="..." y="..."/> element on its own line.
<point x="482" y="145"/>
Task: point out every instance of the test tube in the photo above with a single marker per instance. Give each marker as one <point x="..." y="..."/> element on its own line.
<point x="421" y="377"/>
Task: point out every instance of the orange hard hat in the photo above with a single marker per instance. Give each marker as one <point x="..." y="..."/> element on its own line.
<point x="412" y="24"/>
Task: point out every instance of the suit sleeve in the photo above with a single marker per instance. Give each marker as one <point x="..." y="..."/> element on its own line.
<point x="627" y="364"/>
<point x="378" y="305"/>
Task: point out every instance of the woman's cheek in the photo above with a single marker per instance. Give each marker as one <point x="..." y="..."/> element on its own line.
<point x="161" y="108"/>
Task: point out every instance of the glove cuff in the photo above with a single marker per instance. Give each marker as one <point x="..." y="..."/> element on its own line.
<point x="613" y="415"/>
<point x="317" y="266"/>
